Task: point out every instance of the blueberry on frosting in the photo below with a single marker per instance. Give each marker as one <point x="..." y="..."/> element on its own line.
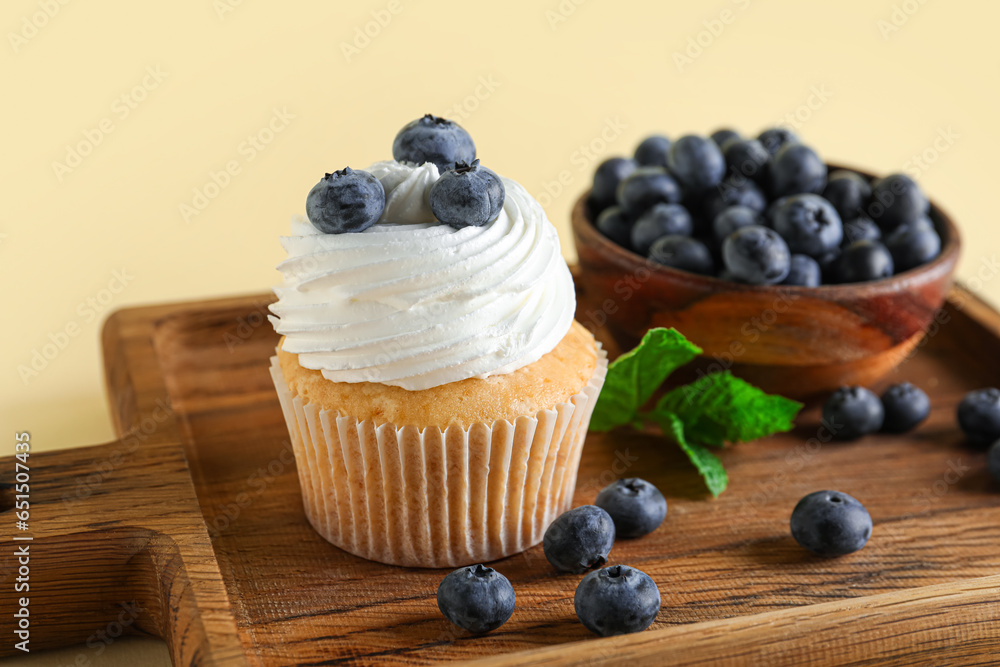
<point x="467" y="196"/>
<point x="434" y="139"/>
<point x="345" y="201"/>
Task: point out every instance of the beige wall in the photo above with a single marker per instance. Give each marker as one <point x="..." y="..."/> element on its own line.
<point x="533" y="81"/>
<point x="531" y="84"/>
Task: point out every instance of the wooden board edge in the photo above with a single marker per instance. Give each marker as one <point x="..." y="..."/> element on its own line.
<point x="973" y="306"/>
<point x="134" y="384"/>
<point x="928" y="625"/>
<point x="133" y="538"/>
<point x="198" y="625"/>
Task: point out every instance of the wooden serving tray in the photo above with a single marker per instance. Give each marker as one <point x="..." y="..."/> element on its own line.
<point x="193" y="517"/>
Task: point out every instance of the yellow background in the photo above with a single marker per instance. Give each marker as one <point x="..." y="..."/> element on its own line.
<point x="884" y="78"/>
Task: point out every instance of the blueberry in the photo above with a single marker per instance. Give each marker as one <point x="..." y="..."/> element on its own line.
<point x="737" y="191"/>
<point x="913" y="243"/>
<point x="979" y="415"/>
<point x="714" y="247"/>
<point x="756" y="255"/>
<point x="795" y="169"/>
<point x="923" y="222"/>
<point x="723" y="136"/>
<point x="617" y="600"/>
<point x="697" y="163"/>
<point x="652" y="152"/>
<point x="661" y="220"/>
<point x="860" y="228"/>
<point x="725" y="274"/>
<point x="828" y="265"/>
<point x="773" y="139"/>
<point x="345" y="201"/>
<point x="808" y="223"/>
<point x="579" y="540"/>
<point x="747" y="158"/>
<point x="896" y="200"/>
<point x="636" y="506"/>
<point x="831" y="523"/>
<point x="849" y="193"/>
<point x="608" y="175"/>
<point x="804" y="271"/>
<point x="852" y="412"/>
<point x="433" y="139"/>
<point x="593" y="207"/>
<point x="476" y="598"/>
<point x="681" y="252"/>
<point x="863" y="261"/>
<point x="616" y="225"/>
<point x="733" y="218"/>
<point x="993" y="460"/>
<point x="905" y="406"/>
<point x="467" y="196"/>
<point x="647" y="186"/>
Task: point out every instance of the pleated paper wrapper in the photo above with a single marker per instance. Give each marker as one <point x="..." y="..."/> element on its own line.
<point x="433" y="498"/>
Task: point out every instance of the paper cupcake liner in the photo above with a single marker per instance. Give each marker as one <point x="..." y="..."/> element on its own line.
<point x="433" y="498"/>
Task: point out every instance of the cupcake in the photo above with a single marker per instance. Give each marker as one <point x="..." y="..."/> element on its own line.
<point x="436" y="387"/>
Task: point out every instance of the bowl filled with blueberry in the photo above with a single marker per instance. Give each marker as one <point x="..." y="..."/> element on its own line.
<point x="797" y="275"/>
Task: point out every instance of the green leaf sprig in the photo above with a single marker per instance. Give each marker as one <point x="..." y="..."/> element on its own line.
<point x="714" y="410"/>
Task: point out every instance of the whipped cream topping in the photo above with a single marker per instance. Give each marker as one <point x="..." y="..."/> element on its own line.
<point x="416" y="304"/>
<point x="407" y="190"/>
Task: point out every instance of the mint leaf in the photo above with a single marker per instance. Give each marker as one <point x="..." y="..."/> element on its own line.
<point x="634" y="376"/>
<point x="720" y="408"/>
<point x="716" y="409"/>
<point x="705" y="461"/>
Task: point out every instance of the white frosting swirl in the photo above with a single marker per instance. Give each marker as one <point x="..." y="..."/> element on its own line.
<point x="406" y="190"/>
<point x="416" y="304"/>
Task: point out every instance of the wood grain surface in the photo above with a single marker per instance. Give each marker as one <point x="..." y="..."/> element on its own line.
<point x="199" y="521"/>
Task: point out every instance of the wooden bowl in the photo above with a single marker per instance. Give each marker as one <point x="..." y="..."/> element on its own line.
<point x="795" y="341"/>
